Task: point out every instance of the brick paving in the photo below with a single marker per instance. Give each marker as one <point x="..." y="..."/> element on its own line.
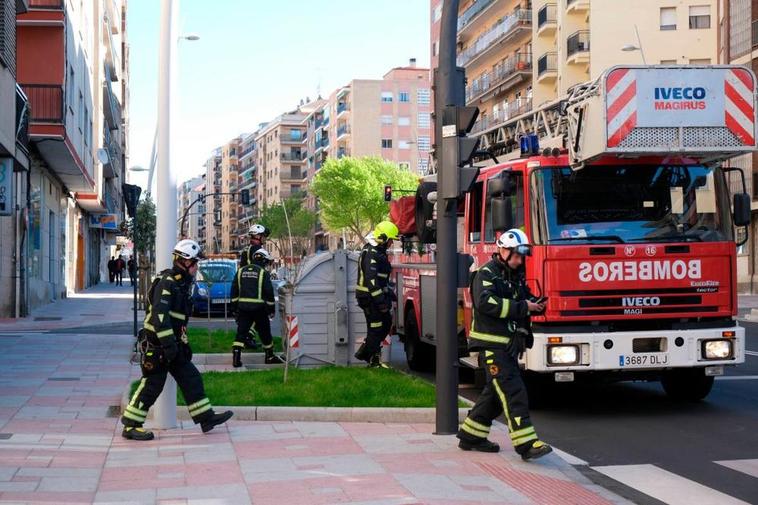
<point x="60" y="441"/>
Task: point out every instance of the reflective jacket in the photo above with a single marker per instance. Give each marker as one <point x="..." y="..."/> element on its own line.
<point x="252" y="290"/>
<point x="246" y="256"/>
<point x="168" y="305"/>
<point x="373" y="277"/>
<point x="499" y="297"/>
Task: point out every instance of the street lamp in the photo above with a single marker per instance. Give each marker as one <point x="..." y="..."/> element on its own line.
<point x="190" y="36"/>
<point x="631" y="47"/>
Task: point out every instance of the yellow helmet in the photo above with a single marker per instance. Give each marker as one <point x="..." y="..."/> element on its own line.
<point x="384" y="231"/>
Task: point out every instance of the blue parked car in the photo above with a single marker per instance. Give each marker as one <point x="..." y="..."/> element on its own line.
<point x="213" y="284"/>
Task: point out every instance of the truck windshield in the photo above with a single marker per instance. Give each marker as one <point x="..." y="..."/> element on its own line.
<point x="639" y="203"/>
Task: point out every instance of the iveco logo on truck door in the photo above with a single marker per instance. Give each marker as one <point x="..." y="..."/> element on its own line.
<point x="649" y="270"/>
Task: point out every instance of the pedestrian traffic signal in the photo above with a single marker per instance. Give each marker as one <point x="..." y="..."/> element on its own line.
<point x="458" y="150"/>
<point x="245" y="196"/>
<point x="387" y="193"/>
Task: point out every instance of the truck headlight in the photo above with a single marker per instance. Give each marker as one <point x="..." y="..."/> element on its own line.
<point x="563" y="355"/>
<point x="202" y="292"/>
<point x="717" y="349"/>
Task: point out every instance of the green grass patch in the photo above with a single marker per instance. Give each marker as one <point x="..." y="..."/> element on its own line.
<point x="320" y="387"/>
<point x="205" y="341"/>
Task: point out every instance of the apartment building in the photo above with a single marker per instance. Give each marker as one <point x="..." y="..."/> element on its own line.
<point x="519" y="54"/>
<point x="77" y="143"/>
<point x="738" y="45"/>
<point x="190" y="192"/>
<point x="247" y="180"/>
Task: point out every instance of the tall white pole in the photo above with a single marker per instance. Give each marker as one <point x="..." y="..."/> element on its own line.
<point x="165" y="198"/>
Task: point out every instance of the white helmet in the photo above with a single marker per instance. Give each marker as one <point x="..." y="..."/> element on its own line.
<point x="258" y="229"/>
<point x="262" y="254"/>
<point x="515" y="240"/>
<point x="188" y="249"/>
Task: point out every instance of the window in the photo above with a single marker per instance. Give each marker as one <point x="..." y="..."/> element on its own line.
<point x="403" y="121"/>
<point x="700" y="61"/>
<point x="404" y="96"/>
<point x="668" y="62"/>
<point x="434" y="48"/>
<point x="386" y="120"/>
<point x="423" y="96"/>
<point x="70" y="87"/>
<point x="475" y="213"/>
<point x="422" y="165"/>
<point x="424" y="143"/>
<point x="387" y="96"/>
<point x="404" y="165"/>
<point x="517" y="206"/>
<point x="86" y="127"/>
<point x="668" y="18"/>
<point x="424" y="120"/>
<point x="700" y="17"/>
<point x="386" y="143"/>
<point x="81" y="113"/>
<point x="403" y="144"/>
<point x="438" y="12"/>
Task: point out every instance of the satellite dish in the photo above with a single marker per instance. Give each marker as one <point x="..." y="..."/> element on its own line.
<point x="102" y="156"/>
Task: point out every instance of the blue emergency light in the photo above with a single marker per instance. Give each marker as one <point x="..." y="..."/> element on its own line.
<point x="530" y="145"/>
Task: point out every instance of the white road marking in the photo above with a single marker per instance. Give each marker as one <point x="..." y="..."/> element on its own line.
<point x="569" y="458"/>
<point x="748" y="466"/>
<point x="737" y="377"/>
<point x="751" y="353"/>
<point x="666" y="486"/>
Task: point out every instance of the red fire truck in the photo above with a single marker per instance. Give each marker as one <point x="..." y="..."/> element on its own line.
<point x="628" y="206"/>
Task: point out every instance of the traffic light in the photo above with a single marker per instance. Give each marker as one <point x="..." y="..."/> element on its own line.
<point x="131" y="198"/>
<point x="245" y="197"/>
<point x="458" y="149"/>
<point x="388" y="193"/>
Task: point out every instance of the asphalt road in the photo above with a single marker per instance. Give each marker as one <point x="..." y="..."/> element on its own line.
<point x="635" y="433"/>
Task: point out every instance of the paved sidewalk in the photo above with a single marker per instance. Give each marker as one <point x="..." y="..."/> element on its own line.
<point x="60" y="443"/>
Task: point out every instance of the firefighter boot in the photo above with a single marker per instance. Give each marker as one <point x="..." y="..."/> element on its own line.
<point x="215" y="420"/>
<point x="272" y="359"/>
<point x="536" y="450"/>
<point x="236" y="357"/>
<point x="137" y="433"/>
<point x="482" y="446"/>
<point x="363" y="353"/>
<point x="376" y="361"/>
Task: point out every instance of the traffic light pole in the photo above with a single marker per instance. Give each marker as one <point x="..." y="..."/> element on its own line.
<point x="445" y="94"/>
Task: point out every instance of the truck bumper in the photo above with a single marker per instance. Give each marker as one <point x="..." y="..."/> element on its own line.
<point x="636" y="351"/>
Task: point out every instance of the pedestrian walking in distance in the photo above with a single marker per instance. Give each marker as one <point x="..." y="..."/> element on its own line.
<point x="112" y="269"/>
<point x="132" y="266"/>
<point x="501" y="332"/>
<point x="165" y="348"/>
<point x="253" y="305"/>
<point x="119" y="270"/>
<point x="374" y="292"/>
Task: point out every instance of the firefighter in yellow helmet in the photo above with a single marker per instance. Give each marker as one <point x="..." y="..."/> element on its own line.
<point x="374" y="292"/>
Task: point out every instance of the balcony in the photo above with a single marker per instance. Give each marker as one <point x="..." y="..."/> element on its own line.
<point x="292" y="157"/>
<point x="22" y="124"/>
<point x="506" y="28"/>
<point x="247" y="151"/>
<point x="341" y="153"/>
<point x="578" y="47"/>
<point x="471" y="16"/>
<point x="577" y="5"/>
<point x="503" y="76"/>
<point x="342" y="130"/>
<point x="324" y="141"/>
<point x="512" y="110"/>
<point x="294" y="174"/>
<point x="547" y="67"/>
<point x="342" y="108"/>
<point x="111" y="105"/>
<point x="547" y="19"/>
<point x="46" y="102"/>
<point x="294" y="137"/>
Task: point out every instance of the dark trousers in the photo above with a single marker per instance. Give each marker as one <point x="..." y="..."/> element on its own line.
<point x="378" y="326"/>
<point x="504" y="393"/>
<point x="247" y="319"/>
<point x="133" y="277"/>
<point x="119" y="277"/>
<point x="111" y="275"/>
<point x="154" y="372"/>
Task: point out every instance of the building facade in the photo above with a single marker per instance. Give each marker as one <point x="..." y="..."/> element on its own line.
<point x="70" y="196"/>
<point x="247" y="180"/>
<point x="191" y="207"/>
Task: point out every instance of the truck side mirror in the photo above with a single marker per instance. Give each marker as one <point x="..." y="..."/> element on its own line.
<point x="502" y="214"/>
<point x="741" y="209"/>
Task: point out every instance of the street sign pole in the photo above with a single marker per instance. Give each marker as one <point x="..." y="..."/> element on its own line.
<point x="445" y="94"/>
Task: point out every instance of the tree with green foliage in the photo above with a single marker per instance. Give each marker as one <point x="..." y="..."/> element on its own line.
<point x="351" y="192"/>
<point x="301" y="222"/>
<point x="142" y="229"/>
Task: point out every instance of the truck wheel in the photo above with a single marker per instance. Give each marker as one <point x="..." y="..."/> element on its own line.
<point x="689" y="384"/>
<point x="420" y="356"/>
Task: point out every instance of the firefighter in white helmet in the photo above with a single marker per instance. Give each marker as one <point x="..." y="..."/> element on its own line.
<point x="165" y="348"/>
<point x="501" y="332"/>
<point x="258" y="234"/>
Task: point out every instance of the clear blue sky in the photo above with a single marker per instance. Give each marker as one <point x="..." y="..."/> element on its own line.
<point x="256" y="59"/>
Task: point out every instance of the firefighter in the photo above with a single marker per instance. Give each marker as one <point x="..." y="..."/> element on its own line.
<point x="374" y="292"/>
<point x="165" y="348"/>
<point x="500" y="331"/>
<point x="257" y="234"/>
<point x="253" y="302"/>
